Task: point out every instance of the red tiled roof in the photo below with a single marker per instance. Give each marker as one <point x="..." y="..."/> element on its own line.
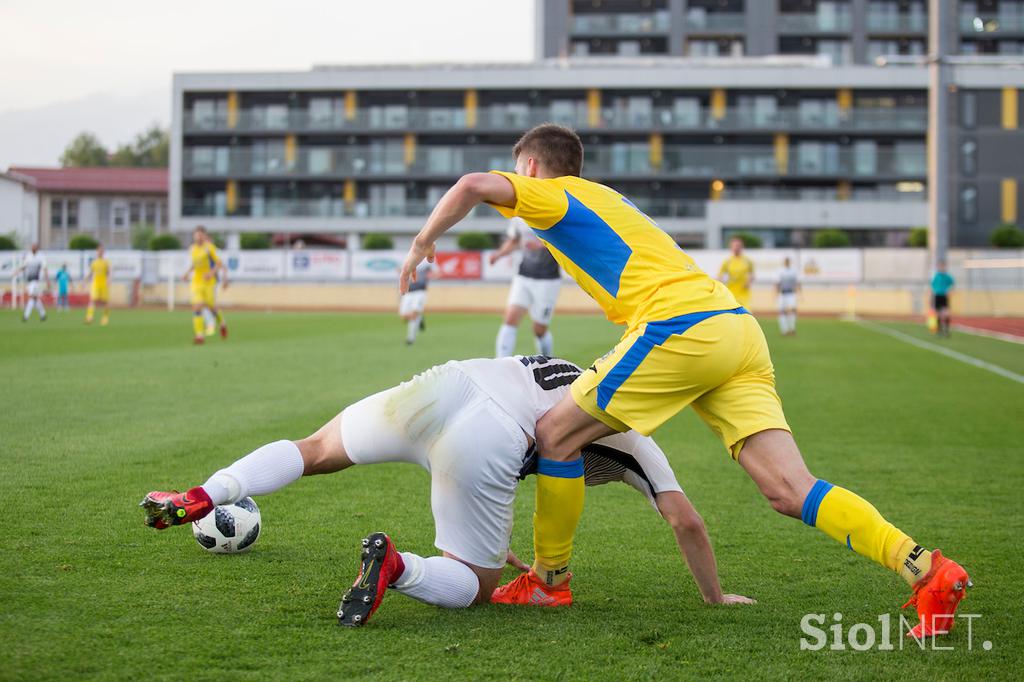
<point x="98" y="180"/>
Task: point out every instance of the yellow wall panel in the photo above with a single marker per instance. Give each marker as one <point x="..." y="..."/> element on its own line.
<point x="1010" y="113"/>
<point x="1009" y="203"/>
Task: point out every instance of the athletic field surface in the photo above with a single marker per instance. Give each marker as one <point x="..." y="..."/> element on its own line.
<point x="931" y="431"/>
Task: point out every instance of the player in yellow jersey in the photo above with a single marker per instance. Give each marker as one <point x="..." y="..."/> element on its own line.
<point x="205" y="265"/>
<point x="99" y="293"/>
<point x="737" y="272"/>
<point x="686" y="342"/>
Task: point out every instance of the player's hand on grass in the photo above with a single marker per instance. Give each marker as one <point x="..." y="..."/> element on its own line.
<point x="417" y="253"/>
<point x="516" y="562"/>
<point x="736" y="599"/>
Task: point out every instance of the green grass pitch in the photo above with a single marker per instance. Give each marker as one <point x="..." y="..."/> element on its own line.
<point x="92" y="418"/>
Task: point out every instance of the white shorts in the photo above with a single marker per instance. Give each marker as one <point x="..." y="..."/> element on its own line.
<point x="538" y="296"/>
<point x="32" y="288"/>
<point x="412" y="302"/>
<point x="787" y="302"/>
<point x="472" y="448"/>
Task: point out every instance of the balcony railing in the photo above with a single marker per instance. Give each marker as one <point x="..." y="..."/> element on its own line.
<point x="983" y="24"/>
<point x="618" y="161"/>
<point x="804" y="23"/>
<point x="716" y="22"/>
<point x="332" y="207"/>
<point x="658" y="118"/>
<point x="897" y="23"/>
<point x="620" y="24"/>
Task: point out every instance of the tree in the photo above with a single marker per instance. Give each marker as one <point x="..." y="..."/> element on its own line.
<point x="475" y="241"/>
<point x="831" y="239"/>
<point x="375" y="241"/>
<point x="86" y="150"/>
<point x="83" y="242"/>
<point x="918" y="237"/>
<point x="254" y="241"/>
<point x="749" y="239"/>
<point x="1008" y="236"/>
<point x="150" y="149"/>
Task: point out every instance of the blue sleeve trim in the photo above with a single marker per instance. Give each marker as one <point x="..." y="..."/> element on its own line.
<point x="813" y="501"/>
<point x="550" y="467"/>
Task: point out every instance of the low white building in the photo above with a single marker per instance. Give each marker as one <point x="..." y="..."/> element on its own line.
<point x="19" y="208"/>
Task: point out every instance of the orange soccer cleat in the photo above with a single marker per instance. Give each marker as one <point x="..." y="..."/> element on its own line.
<point x="937" y="595"/>
<point x="175" y="509"/>
<point x="530" y="590"/>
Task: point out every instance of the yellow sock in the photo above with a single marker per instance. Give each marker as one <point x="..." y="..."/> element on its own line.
<point x="197" y="324"/>
<point x="557" y="510"/>
<point x="89" y="312"/>
<point x="106" y="316"/>
<point x="219" y="317"/>
<point x="853" y="521"/>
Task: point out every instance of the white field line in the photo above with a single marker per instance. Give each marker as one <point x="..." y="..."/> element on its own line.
<point x="988" y="333"/>
<point x="967" y="359"/>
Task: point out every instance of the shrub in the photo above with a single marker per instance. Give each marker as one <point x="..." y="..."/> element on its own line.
<point x="1008" y="237"/>
<point x="82" y="242"/>
<point x="164" y="242"/>
<point x="831" y="239"/>
<point x="750" y="241"/>
<point x="7" y="243"/>
<point x="218" y="240"/>
<point x="141" y="236"/>
<point x="374" y="241"/>
<point x="475" y="241"/>
<point x="918" y="237"/>
<point x="254" y="241"/>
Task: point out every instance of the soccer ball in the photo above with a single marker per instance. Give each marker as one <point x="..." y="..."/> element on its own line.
<point x="229" y="528"/>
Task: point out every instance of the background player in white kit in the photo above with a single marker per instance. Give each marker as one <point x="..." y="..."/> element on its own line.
<point x="34" y="267"/>
<point x="534" y="290"/>
<point x="470" y="424"/>
<point x="787" y="288"/>
<point x="412" y="303"/>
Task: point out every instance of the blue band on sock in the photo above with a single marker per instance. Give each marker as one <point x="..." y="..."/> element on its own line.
<point x="813" y="501"/>
<point x="550" y="467"/>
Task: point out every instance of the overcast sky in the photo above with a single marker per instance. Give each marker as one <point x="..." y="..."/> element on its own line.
<point x="106" y="66"/>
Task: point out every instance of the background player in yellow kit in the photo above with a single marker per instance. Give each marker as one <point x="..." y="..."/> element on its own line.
<point x="99" y="291"/>
<point x="737" y="272"/>
<point x="687" y="342"/>
<point x="204" y="268"/>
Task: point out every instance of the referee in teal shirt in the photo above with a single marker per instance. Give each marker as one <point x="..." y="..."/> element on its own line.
<point x="942" y="282"/>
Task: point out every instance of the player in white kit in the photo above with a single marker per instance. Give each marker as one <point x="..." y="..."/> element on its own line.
<point x="471" y="425"/>
<point x="534" y="290"/>
<point x="412" y="303"/>
<point x="787" y="288"/>
<point x="34" y="267"/>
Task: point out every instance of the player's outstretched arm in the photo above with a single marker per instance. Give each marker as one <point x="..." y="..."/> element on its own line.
<point x="469" y="192"/>
<point x="510" y="245"/>
<point x="695" y="546"/>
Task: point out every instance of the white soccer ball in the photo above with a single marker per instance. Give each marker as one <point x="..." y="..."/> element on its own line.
<point x="229" y="528"/>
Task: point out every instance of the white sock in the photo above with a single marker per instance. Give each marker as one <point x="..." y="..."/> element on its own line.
<point x="28" y="307"/>
<point x="40" y="308"/>
<point x="438" y="580"/>
<point x="792" y="321"/>
<point x="545" y="344"/>
<point x="412" y="327"/>
<point x="262" y="471"/>
<point x="505" y="344"/>
<point x="783" y="322"/>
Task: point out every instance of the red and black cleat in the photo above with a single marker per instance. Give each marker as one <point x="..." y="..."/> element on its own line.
<point x="381" y="566"/>
<point x="223" y="331"/>
<point x="165" y="509"/>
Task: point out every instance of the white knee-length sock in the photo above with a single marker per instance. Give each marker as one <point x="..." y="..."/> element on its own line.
<point x="505" y="344"/>
<point x="545" y="344"/>
<point x="438" y="580"/>
<point x="262" y="471"/>
<point x="28" y="307"/>
<point x="412" y="327"/>
<point x="41" y="309"/>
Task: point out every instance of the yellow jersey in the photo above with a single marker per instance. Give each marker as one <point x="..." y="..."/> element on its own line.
<point x="739" y="270"/>
<point x="619" y="256"/>
<point x="100" y="269"/>
<point x="204" y="259"/>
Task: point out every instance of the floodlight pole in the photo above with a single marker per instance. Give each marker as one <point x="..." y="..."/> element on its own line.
<point x="940" y="14"/>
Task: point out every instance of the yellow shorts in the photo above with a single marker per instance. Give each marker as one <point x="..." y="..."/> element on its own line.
<point x="717" y="361"/>
<point x="741" y="294"/>
<point x="204" y="293"/>
<point x="99" y="292"/>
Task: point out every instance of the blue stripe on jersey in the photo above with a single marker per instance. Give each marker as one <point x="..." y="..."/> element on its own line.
<point x="589" y="242"/>
<point x="655" y="334"/>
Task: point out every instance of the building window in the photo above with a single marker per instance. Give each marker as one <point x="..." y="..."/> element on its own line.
<point x="72" y="212"/>
<point x="969" y="204"/>
<point x="56" y="213"/>
<point x="103" y="210"/>
<point x="969" y="157"/>
<point x="150" y="213"/>
<point x="163" y="214"/>
<point x="134" y="213"/>
<point x="119" y="216"/>
<point x="969" y="110"/>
